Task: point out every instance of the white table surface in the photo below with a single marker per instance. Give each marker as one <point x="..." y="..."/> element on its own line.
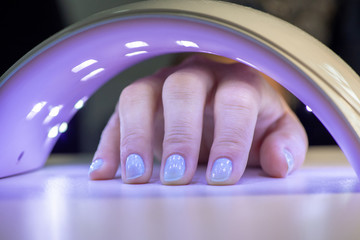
<point x="320" y="201"/>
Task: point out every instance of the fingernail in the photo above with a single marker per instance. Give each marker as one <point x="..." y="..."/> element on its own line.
<point x="221" y="170"/>
<point x="96" y="165"/>
<point x="174" y="168"/>
<point x="289" y="160"/>
<point x="134" y="166"/>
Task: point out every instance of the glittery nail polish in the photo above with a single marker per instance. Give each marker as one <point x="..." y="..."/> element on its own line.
<point x="174" y="168"/>
<point x="134" y="166"/>
<point x="289" y="160"/>
<point x="221" y="170"/>
<point x="96" y="165"/>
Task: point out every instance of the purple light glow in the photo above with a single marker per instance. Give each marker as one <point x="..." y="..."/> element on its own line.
<point x="76" y="63"/>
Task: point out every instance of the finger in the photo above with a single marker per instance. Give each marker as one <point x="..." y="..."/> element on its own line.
<point x="137" y="107"/>
<point x="106" y="158"/>
<point x="284" y="148"/>
<point x="184" y="96"/>
<point x="236" y="107"/>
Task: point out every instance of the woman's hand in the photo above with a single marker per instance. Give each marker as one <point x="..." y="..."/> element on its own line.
<point x="224" y="114"/>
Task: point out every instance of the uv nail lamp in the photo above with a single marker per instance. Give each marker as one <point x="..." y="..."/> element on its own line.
<point x="45" y="88"/>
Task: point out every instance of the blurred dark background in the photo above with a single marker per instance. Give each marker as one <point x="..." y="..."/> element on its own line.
<point x="24" y="24"/>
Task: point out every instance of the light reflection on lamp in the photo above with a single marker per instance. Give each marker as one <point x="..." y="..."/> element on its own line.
<point x="92" y="74"/>
<point x="59" y="128"/>
<point x="83" y="65"/>
<point x="341" y="80"/>
<point x="136" y="44"/>
<point x="308" y="109"/>
<point x="54" y="132"/>
<point x="63" y="127"/>
<point x="186" y="43"/>
<point x="135" y="53"/>
<point x="247" y="63"/>
<point x="35" y="110"/>
<point x="80" y="104"/>
<point x="54" y="111"/>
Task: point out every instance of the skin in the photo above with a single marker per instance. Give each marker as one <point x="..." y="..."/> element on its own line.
<point x="203" y="110"/>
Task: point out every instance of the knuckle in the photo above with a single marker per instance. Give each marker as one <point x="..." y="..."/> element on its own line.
<point x="185" y="76"/>
<point x="179" y="134"/>
<point x="247" y="73"/>
<point x="234" y="137"/>
<point x="129" y="95"/>
<point x="135" y="93"/>
<point x="184" y="84"/>
<point x="179" y="93"/>
<point x="178" y="138"/>
<point x="133" y="137"/>
<point x="233" y="140"/>
<point x="228" y="145"/>
<point x="244" y="100"/>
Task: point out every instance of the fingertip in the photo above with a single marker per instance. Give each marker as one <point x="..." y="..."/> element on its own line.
<point x="106" y="159"/>
<point x="284" y="148"/>
<point x="134" y="166"/>
<point x="289" y="159"/>
<point x="178" y="169"/>
<point x="273" y="164"/>
<point x="279" y="156"/>
<point x="101" y="170"/>
<point x="174" y="168"/>
<point x="136" y="170"/>
<point x="225" y="169"/>
<point x="95" y="166"/>
<point x="221" y="172"/>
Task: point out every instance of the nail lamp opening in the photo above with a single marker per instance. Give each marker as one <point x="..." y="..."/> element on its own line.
<point x="46" y="87"/>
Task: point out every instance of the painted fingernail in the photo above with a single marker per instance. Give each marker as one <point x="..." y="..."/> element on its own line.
<point x="221" y="170"/>
<point x="174" y="168"/>
<point x="289" y="160"/>
<point x="96" y="165"/>
<point x="134" y="166"/>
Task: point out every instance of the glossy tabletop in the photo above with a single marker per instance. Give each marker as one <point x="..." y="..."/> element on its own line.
<point x="320" y="201"/>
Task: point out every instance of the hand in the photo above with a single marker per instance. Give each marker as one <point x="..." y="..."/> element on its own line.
<point x="224" y="114"/>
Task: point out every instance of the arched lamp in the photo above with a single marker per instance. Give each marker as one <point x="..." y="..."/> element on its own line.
<point x="45" y="88"/>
